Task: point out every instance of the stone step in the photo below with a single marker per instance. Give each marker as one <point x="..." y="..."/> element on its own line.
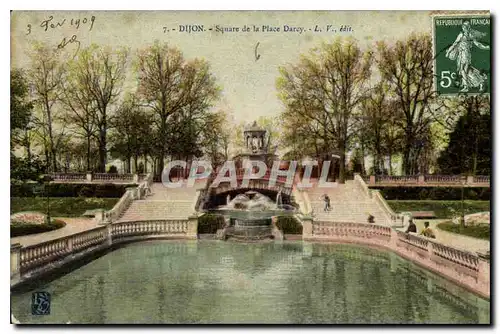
<point x="347" y="202"/>
<point x="157" y="210"/>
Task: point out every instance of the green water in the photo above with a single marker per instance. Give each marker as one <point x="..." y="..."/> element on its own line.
<point x="224" y="282"/>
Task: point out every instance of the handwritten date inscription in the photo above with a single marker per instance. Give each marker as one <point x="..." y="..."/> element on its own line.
<point x="50" y="23"/>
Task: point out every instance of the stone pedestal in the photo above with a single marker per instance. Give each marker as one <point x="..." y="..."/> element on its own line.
<point x="133" y="190"/>
<point x="89" y="176"/>
<point x="100" y="217"/>
<point x="307" y="227"/>
<point x="483" y="275"/>
<point x="109" y="234"/>
<point x="15" y="262"/>
<point x="192" y="230"/>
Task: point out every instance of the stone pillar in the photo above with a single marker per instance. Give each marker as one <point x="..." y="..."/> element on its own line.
<point x="421" y="179"/>
<point x="99" y="217"/>
<point x="470" y="179"/>
<point x="89" y="176"/>
<point x="307" y="227"/>
<point x="133" y="190"/>
<point x="109" y="234"/>
<point x="192" y="230"/>
<point x="372" y="179"/>
<point x="394" y="239"/>
<point x="430" y="250"/>
<point x="15" y="261"/>
<point x="483" y="275"/>
<point x="136" y="178"/>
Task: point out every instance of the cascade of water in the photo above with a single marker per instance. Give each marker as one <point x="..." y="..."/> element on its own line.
<point x="279" y="200"/>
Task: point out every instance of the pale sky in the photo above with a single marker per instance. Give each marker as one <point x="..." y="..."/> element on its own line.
<point x="248" y="85"/>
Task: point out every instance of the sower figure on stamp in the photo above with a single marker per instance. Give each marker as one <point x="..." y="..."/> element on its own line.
<point x="461" y="52"/>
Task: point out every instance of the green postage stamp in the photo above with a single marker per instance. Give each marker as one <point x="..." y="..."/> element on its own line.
<point x="462" y="54"/>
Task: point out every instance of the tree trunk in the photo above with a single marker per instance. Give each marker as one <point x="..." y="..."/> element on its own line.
<point x="160" y="163"/>
<point x="390" y="162"/>
<point x="102" y="150"/>
<point x="88" y="153"/>
<point x="342" y="164"/>
<point x="363" y="172"/>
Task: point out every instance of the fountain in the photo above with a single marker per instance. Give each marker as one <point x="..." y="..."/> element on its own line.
<point x="249" y="215"/>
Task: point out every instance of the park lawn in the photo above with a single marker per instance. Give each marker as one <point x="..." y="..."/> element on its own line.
<point x="61" y="206"/>
<point x="481" y="231"/>
<point x="442" y="209"/>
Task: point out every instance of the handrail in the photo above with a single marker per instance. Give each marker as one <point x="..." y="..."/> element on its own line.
<point x="120" y="207"/>
<point x="384" y="205"/>
<point x="362" y="184"/>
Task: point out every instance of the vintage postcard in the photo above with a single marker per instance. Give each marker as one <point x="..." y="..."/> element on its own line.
<point x="250" y="167"/>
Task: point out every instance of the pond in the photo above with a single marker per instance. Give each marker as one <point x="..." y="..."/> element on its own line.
<point x="225" y="282"/>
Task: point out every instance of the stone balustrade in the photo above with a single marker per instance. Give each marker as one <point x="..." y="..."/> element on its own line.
<point x="413" y="240"/>
<point x="69" y="177"/>
<point x="462" y="267"/>
<point x="149" y="228"/>
<point x="461" y="257"/>
<point x="391" y="215"/>
<point x="444" y="179"/>
<point x="481" y="179"/>
<point x="361" y="184"/>
<point x="32" y="261"/>
<point x="31" y="258"/>
<point x="428" y="181"/>
<point x="121" y="206"/>
<point x="352" y="230"/>
<point x="97" y="178"/>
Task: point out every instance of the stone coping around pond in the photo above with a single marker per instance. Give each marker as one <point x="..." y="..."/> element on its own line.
<point x="466" y="269"/>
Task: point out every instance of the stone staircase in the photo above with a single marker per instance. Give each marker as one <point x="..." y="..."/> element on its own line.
<point x="348" y="203"/>
<point x="163" y="204"/>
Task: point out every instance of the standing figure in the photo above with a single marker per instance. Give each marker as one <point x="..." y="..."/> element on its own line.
<point x="461" y="52"/>
<point x="327" y="202"/>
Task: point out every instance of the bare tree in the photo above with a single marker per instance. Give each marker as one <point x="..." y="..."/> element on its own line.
<point x="98" y="75"/>
<point x="46" y="75"/>
<point x="326" y="88"/>
<point x="81" y="111"/>
<point x="407" y="67"/>
<point x="169" y="85"/>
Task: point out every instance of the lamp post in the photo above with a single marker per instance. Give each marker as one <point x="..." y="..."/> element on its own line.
<point x="46" y="179"/>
